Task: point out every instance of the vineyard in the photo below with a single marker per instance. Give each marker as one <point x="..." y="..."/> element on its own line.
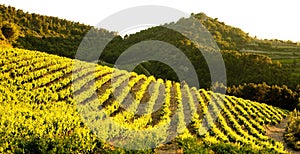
<point x="55" y="104"/>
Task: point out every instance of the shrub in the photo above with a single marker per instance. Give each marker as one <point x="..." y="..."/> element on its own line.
<point x="292" y="135"/>
<point x="10" y="31"/>
<point x="279" y="96"/>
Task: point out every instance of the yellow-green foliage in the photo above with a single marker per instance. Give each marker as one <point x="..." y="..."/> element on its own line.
<point x="39" y="111"/>
<point x="292" y="135"/>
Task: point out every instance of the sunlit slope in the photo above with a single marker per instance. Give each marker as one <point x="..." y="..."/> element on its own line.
<point x="40" y="94"/>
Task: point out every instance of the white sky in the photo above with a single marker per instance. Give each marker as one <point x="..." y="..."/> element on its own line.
<point x="262" y="18"/>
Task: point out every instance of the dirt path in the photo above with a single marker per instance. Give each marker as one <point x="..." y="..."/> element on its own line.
<point x="276" y="132"/>
<point x="169" y="149"/>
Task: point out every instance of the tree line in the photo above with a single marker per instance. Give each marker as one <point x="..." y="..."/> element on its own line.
<point x="62" y="37"/>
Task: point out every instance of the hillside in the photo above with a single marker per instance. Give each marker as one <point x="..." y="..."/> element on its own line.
<point x="240" y="66"/>
<point x="45" y="33"/>
<point x="233" y="38"/>
<point x="62" y="37"/>
<point x="50" y="103"/>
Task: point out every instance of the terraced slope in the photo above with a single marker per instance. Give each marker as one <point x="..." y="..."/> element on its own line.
<point x="41" y="96"/>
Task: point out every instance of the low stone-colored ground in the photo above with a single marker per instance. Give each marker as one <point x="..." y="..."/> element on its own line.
<point x="277" y="131"/>
<point x="171" y="148"/>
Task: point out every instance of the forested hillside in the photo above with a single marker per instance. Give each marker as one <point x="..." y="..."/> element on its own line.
<point x="62" y="37"/>
<point x="228" y="37"/>
<point x="44" y="33"/>
<point x="240" y="67"/>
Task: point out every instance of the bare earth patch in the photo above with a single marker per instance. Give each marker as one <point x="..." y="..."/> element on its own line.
<point x="277" y="131"/>
<point x="171" y="148"/>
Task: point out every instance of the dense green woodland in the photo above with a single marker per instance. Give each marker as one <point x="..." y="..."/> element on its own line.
<point x="44" y="33"/>
<point x="62" y="37"/>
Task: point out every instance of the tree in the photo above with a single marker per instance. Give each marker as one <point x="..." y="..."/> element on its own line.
<point x="10" y="31"/>
<point x="279" y="96"/>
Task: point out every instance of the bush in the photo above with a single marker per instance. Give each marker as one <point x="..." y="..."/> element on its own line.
<point x="279" y="96"/>
<point x="10" y="31"/>
<point x="292" y="135"/>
